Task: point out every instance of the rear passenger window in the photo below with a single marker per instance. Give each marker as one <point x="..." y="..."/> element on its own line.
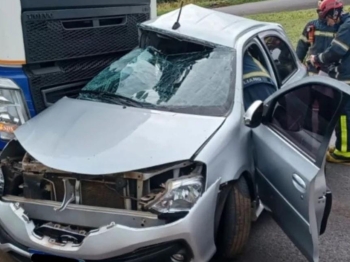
<point x="282" y="57"/>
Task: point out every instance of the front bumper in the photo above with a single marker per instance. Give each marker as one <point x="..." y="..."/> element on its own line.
<point x="115" y="240"/>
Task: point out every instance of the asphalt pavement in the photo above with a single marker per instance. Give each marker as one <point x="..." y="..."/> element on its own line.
<point x="267" y="241"/>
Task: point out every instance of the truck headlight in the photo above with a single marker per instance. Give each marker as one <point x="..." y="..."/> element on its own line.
<point x="13" y="110"/>
<point x="180" y="194"/>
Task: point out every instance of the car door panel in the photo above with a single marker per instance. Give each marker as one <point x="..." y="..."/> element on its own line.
<point x="277" y="190"/>
<point x="289" y="155"/>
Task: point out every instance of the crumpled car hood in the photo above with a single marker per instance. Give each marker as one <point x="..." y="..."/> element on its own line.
<point x="97" y="138"/>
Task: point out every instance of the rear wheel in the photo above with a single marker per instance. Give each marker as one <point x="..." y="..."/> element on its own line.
<point x="235" y="221"/>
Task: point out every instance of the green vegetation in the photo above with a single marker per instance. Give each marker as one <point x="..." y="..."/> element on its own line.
<point x="165" y="6"/>
<point x="293" y="22"/>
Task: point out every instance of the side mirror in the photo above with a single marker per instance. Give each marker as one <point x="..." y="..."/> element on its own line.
<point x="253" y="116"/>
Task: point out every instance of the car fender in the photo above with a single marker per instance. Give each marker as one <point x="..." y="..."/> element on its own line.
<point x="228" y="153"/>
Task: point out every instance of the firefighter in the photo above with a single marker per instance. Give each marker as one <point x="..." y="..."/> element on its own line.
<point x="337" y="55"/>
<point x="257" y="83"/>
<point x="315" y="38"/>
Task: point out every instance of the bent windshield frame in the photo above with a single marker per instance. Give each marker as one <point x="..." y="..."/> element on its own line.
<point x="187" y="78"/>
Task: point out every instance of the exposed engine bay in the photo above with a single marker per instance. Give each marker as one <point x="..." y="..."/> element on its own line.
<point x="67" y="206"/>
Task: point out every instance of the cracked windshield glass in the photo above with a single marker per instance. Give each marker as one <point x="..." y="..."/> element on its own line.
<point x="195" y="81"/>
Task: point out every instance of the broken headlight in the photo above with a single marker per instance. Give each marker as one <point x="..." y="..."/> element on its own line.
<point x="180" y="194"/>
<point x="13" y="111"/>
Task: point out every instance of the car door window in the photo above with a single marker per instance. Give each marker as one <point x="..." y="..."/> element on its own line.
<point x="258" y="79"/>
<point x="256" y="51"/>
<point x="303" y="116"/>
<point x="282" y="57"/>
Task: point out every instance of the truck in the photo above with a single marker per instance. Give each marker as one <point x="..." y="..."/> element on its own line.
<point x="51" y="49"/>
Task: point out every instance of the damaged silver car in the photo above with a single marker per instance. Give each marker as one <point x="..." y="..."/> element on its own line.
<point x="157" y="160"/>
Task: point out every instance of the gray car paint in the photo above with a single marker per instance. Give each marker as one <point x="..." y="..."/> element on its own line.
<point x="117" y="239"/>
<point x="205" y="25"/>
<point x="96" y="138"/>
<point x="227" y="154"/>
<point x="297" y="210"/>
<point x="232" y="158"/>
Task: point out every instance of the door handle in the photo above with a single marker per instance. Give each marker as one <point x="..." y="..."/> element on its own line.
<point x="299" y="183"/>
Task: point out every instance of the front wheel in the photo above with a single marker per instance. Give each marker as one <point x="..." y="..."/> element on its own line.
<point x="235" y="221"/>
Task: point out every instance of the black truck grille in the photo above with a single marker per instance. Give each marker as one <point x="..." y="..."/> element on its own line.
<point x="52" y="40"/>
<point x="66" y="47"/>
<point x="64" y="78"/>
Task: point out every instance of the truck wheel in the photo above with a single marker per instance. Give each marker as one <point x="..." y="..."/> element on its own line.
<point x="235" y="221"/>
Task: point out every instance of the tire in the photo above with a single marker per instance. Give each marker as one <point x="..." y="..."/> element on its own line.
<point x="235" y="221"/>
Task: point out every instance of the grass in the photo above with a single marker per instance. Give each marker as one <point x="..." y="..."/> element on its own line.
<point x="293" y="22"/>
<point x="169" y="6"/>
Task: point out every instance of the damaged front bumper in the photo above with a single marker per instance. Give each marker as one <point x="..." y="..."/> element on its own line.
<point x="114" y="240"/>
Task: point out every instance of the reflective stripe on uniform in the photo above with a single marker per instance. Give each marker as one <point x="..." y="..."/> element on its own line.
<point x="327" y="34"/>
<point x="321" y="57"/>
<point x="303" y="38"/>
<point x="344" y="134"/>
<point x="257" y="62"/>
<point x="342" y="45"/>
<point x="256" y="74"/>
<point x="336" y="70"/>
<point x="343" y="154"/>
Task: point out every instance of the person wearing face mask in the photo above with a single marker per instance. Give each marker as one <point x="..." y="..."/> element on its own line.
<point x="337" y="57"/>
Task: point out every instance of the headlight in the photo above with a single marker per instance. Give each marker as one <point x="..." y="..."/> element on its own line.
<point x="13" y="110"/>
<point x="180" y="194"/>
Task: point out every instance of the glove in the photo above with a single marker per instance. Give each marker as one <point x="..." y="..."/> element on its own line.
<point x="315" y="61"/>
<point x="312" y="59"/>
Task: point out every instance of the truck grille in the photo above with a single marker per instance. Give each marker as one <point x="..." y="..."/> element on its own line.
<point x="53" y="40"/>
<point x="65" y="48"/>
<point x="48" y="86"/>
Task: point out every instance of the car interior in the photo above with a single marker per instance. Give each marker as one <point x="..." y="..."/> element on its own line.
<point x="281" y="55"/>
<point x="295" y="117"/>
<point x="255" y="51"/>
<point x="257" y="54"/>
<point x="294" y="114"/>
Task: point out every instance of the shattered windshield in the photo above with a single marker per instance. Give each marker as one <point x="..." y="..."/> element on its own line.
<point x="197" y="82"/>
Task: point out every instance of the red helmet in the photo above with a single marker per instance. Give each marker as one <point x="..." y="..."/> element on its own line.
<point x="330" y="7"/>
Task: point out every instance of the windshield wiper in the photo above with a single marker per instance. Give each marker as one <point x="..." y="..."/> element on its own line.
<point x="111" y="97"/>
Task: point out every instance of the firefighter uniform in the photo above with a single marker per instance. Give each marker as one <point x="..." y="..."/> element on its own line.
<point x="257" y="83"/>
<point x="315" y="38"/>
<point x="339" y="53"/>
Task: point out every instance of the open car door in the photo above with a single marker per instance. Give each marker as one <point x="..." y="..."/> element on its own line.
<point x="290" y="146"/>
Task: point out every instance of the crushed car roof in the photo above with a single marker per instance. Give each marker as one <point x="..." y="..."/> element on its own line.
<point x="204" y="24"/>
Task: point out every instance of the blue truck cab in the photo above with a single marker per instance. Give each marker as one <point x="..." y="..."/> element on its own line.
<point x="51" y="49"/>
